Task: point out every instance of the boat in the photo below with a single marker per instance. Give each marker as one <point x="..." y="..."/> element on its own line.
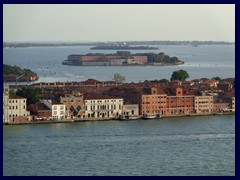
<point x="128" y="117"/>
<point x="152" y="116"/>
<point x="132" y="117"/>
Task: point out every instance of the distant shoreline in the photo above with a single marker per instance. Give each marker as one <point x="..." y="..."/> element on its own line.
<point x="132" y="43"/>
<point x="94" y="120"/>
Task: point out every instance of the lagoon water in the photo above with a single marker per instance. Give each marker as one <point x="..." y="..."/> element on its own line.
<point x="165" y="147"/>
<point x="171" y="146"/>
<point x="202" y="61"/>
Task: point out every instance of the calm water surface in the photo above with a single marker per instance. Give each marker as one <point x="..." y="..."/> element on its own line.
<point x="170" y="146"/>
<point x="202" y="61"/>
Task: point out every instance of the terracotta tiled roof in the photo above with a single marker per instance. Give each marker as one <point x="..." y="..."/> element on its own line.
<point x="13" y="96"/>
<point x="56" y="103"/>
<point x="42" y="106"/>
<point x="92" y="96"/>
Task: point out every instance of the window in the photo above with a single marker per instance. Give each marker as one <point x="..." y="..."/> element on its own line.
<point x="79" y="108"/>
<point x="9" y="101"/>
<point x="23" y="107"/>
<point x="55" y="112"/>
<point x="13" y="107"/>
<point x="9" y="107"/>
<point x="16" y="107"/>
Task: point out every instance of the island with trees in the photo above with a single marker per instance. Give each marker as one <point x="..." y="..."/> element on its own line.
<point x="15" y="73"/>
<point x="121" y="58"/>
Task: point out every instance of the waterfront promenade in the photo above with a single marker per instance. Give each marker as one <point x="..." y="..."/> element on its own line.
<point x="104" y="119"/>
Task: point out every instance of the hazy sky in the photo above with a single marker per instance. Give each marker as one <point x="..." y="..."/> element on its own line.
<point x="118" y="22"/>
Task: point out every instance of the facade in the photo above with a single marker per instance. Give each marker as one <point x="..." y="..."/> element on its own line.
<point x="233" y="104"/>
<point x="5" y="103"/>
<point x="219" y="107"/>
<point x="17" y="110"/>
<point x="120" y="58"/>
<point x="203" y="104"/>
<point x="58" y="109"/>
<point x="153" y="104"/>
<point x="130" y="111"/>
<point x="73" y="103"/>
<point x="180" y="104"/>
<point x="99" y="106"/>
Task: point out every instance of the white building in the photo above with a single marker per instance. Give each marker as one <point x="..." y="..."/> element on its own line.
<point x="99" y="106"/>
<point x="233" y="104"/>
<point x="17" y="109"/>
<point x="14" y="107"/>
<point x="203" y="104"/>
<point x="58" y="109"/>
<point x="5" y="103"/>
<point x="131" y="111"/>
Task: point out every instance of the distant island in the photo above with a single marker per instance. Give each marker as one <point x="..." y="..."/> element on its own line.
<point x="121" y="58"/>
<point x="15" y="73"/>
<point x="117" y="43"/>
<point x="122" y="47"/>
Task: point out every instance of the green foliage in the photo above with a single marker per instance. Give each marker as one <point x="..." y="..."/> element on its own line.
<point x="7" y="69"/>
<point x="181" y="75"/>
<point x="161" y="58"/>
<point x="119" y="78"/>
<point x="164" y="81"/>
<point x="217" y="78"/>
<point x="32" y="94"/>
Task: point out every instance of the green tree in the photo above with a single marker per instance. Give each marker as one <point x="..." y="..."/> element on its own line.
<point x="181" y="75"/>
<point x="119" y="78"/>
<point x="217" y="78"/>
<point x="163" y="81"/>
<point x="32" y="94"/>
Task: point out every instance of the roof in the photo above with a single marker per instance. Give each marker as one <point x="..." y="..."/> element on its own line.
<point x="41" y="106"/>
<point x="56" y="103"/>
<point x="93" y="96"/>
<point x="13" y="96"/>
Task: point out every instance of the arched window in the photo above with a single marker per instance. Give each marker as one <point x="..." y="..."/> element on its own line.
<point x="78" y="108"/>
<point x="71" y="108"/>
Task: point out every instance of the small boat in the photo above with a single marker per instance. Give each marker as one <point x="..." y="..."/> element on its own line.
<point x="151" y="116"/>
<point x="132" y="117"/>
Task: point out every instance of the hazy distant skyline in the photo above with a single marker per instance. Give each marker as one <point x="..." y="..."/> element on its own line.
<point x="118" y="22"/>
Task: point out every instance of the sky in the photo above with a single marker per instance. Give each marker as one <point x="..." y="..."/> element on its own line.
<point x="130" y="22"/>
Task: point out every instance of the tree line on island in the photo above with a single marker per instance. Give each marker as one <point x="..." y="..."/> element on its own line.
<point x="16" y="70"/>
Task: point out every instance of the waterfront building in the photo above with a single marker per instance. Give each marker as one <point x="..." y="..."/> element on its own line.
<point x="221" y="107"/>
<point x="5" y="103"/>
<point x="233" y="104"/>
<point x="203" y="104"/>
<point x="58" y="109"/>
<point x="153" y="102"/>
<point x="40" y="111"/>
<point x="101" y="106"/>
<point x="17" y="109"/>
<point x="178" y="103"/>
<point x="118" y="59"/>
<point x="73" y="103"/>
<point x="130" y="111"/>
